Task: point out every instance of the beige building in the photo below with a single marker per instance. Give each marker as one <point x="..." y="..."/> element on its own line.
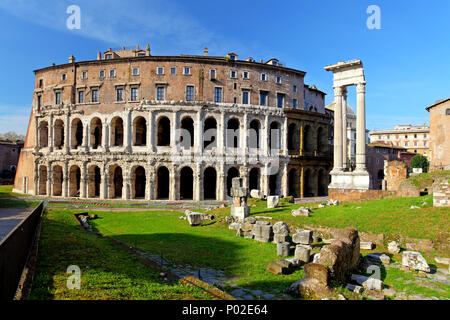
<point x="415" y="139"/>
<point x="130" y="125"/>
<point x="439" y="135"/>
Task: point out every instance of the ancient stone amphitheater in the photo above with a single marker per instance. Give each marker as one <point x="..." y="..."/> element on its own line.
<point x="130" y="125"/>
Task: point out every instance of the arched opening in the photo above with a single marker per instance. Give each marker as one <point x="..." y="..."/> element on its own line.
<point x="275" y="136"/>
<point x="233" y="134"/>
<point x="186" y="184"/>
<point x="322" y="183"/>
<point x="139" y="131"/>
<point x="187" y="133"/>
<point x="74" y="181"/>
<point x="254" y="182"/>
<point x="255" y="134"/>
<point x="57" y="181"/>
<point x="321" y="140"/>
<point x="43" y="134"/>
<point x="42" y="180"/>
<point x="232" y="173"/>
<point x="293" y="183"/>
<point x="115" y="182"/>
<point x="139" y="181"/>
<point x="96" y="133"/>
<point x="209" y="184"/>
<point x="116" y="132"/>
<point x="293" y="137"/>
<point x="77" y="133"/>
<point x="308" y="145"/>
<point x="307" y="184"/>
<point x="163" y="132"/>
<point x="163" y="178"/>
<point x="58" y="134"/>
<point x="94" y="182"/>
<point x="273" y="184"/>
<point x="210" y="134"/>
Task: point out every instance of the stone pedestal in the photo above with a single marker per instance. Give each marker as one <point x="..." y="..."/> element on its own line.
<point x="358" y="180"/>
<point x="239" y="208"/>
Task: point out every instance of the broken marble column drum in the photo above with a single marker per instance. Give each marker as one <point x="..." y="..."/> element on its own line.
<point x="239" y="208"/>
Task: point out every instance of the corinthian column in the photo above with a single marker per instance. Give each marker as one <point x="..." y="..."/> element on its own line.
<point x="344" y="128"/>
<point x="337" y="158"/>
<point x="361" y="127"/>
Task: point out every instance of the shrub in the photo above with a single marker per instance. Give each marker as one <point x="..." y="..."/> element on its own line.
<point x="419" y="161"/>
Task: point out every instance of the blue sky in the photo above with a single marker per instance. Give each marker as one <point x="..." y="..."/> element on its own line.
<point x="406" y="62"/>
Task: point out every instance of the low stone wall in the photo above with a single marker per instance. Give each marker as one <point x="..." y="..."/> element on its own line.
<point x="441" y="193"/>
<point x="354" y="195"/>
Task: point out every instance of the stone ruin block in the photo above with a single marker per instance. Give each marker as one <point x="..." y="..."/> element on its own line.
<point x="263" y="232"/>
<point x="283" y="249"/>
<point x="302" y="237"/>
<point x="281" y="238"/>
<point x="303" y="252"/>
<point x="254" y="193"/>
<point x="281" y="228"/>
<point x="315" y="282"/>
<point x="301" y="212"/>
<point x="194" y="218"/>
<point x="272" y="202"/>
<point x="415" y="260"/>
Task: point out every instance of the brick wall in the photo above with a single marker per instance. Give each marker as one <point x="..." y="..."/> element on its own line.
<point x="441" y="193"/>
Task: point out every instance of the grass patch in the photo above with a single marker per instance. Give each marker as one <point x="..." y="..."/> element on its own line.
<point x="6" y="202"/>
<point x="107" y="271"/>
<point x="424" y="180"/>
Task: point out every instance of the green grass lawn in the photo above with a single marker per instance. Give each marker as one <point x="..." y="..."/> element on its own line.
<point x="107" y="271"/>
<point x="6" y="202"/>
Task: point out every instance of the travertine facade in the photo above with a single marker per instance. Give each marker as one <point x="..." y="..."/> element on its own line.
<point x="134" y="126"/>
<point x="439" y="135"/>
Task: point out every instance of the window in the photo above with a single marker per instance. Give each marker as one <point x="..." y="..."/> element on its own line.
<point x="235" y="86"/>
<point x="278" y="79"/>
<point x="217" y="94"/>
<point x="234" y="100"/>
<point x="406" y="136"/>
<point x="84" y="75"/>
<point x="160" y="93"/>
<point x="140" y="54"/>
<point x="64" y="77"/>
<point x="294" y="88"/>
<point x="406" y="144"/>
<point x="109" y="56"/>
<point x="263" y="77"/>
<point x="388" y="136"/>
<point x="415" y="151"/>
<point x="294" y="103"/>
<point x="245" y="75"/>
<point x="280" y="100"/>
<point x="447" y="112"/>
<point x="39" y="99"/>
<point x="415" y="136"/>
<point x="263" y="98"/>
<point x="212" y="74"/>
<point x="415" y="143"/>
<point x="425" y="143"/>
<point x="245" y="96"/>
<point x="189" y="93"/>
<point x="112" y="73"/>
<point x="173" y="70"/>
<point x="94" y="95"/>
<point x="135" y="71"/>
<point x="58" y="97"/>
<point x="119" y="94"/>
<point x="134" y="94"/>
<point x="81" y="96"/>
<point x="41" y="83"/>
<point x="424" y="136"/>
<point x="187" y="70"/>
<point x="233" y="74"/>
<point x="102" y="74"/>
<point x="160" y="70"/>
<point x="379" y="137"/>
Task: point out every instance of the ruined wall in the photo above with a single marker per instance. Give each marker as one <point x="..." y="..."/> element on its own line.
<point x="441" y="192"/>
<point x="352" y="195"/>
<point x="394" y="173"/>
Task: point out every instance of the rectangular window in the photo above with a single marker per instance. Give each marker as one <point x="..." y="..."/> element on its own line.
<point x="57" y="97"/>
<point x="41" y="83"/>
<point x="160" y="93"/>
<point x="245" y="75"/>
<point x="134" y="94"/>
<point x="263" y="77"/>
<point x="245" y="96"/>
<point x="119" y="95"/>
<point x="108" y="56"/>
<point x="263" y="98"/>
<point x="173" y="70"/>
<point x="280" y="100"/>
<point x="233" y="74"/>
<point x="102" y="74"/>
<point x="64" y="77"/>
<point x="278" y="79"/>
<point x="212" y="74"/>
<point x="294" y="103"/>
<point x="39" y="102"/>
<point x="94" y="95"/>
<point x="80" y="96"/>
<point x="112" y="73"/>
<point x="135" y="71"/>
<point x="217" y="94"/>
<point x="187" y="70"/>
<point x="189" y="93"/>
<point x="84" y="74"/>
<point x="160" y="70"/>
<point x="295" y="88"/>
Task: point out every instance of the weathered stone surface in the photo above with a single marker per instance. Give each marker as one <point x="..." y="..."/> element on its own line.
<point x="281" y="238"/>
<point x="262" y="233"/>
<point x="295" y="262"/>
<point x="301" y="212"/>
<point x="247" y="226"/>
<point x="374" y="294"/>
<point x="322" y="205"/>
<point x="194" y="218"/>
<point x="248" y="234"/>
<point x="262" y="222"/>
<point x="281" y="228"/>
<point x="379" y="258"/>
<point x="283" y="249"/>
<point x="354" y="288"/>
<point x="333" y="202"/>
<point x="303" y="253"/>
<point x="235" y="226"/>
<point x="366" y="245"/>
<point x="445" y="261"/>
<point x="276" y="268"/>
<point x="254" y="193"/>
<point x="317" y="271"/>
<point x="389" y="292"/>
<point x="251" y="220"/>
<point x="316" y="258"/>
<point x="312" y="288"/>
<point x="368" y="283"/>
<point x="302" y="237"/>
<point x="414" y="260"/>
<point x="394" y="247"/>
<point x="272" y="202"/>
<point x="419" y="244"/>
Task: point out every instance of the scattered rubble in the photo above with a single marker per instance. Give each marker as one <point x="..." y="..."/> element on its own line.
<point x="414" y="260"/>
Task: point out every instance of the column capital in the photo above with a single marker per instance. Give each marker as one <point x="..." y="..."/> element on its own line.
<point x="338" y="91"/>
<point x="361" y="87"/>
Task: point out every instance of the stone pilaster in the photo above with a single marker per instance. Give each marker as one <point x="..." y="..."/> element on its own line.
<point x="361" y="127"/>
<point x="337" y="158"/>
<point x="344" y="128"/>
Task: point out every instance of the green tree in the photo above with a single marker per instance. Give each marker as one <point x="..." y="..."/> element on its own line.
<point x="419" y="161"/>
<point x="12" y="136"/>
